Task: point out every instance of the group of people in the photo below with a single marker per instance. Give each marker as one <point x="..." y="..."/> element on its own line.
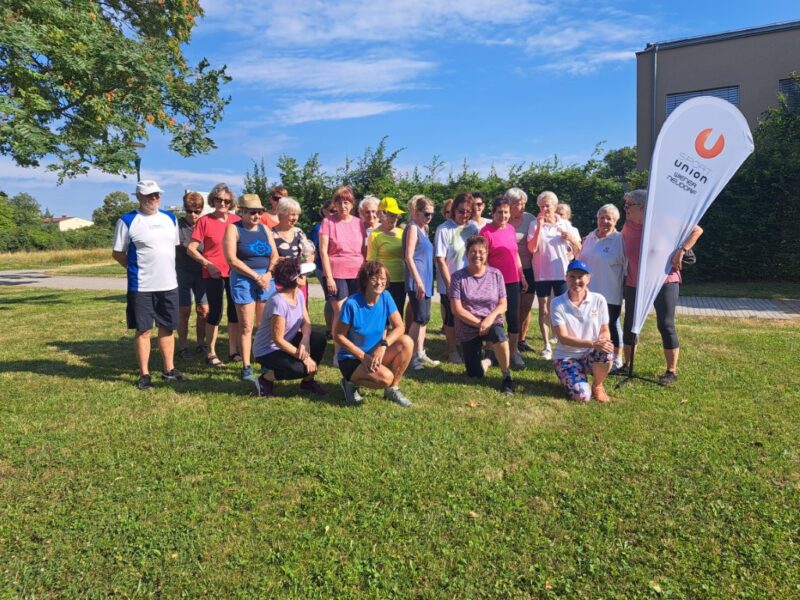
<point x="378" y="276"/>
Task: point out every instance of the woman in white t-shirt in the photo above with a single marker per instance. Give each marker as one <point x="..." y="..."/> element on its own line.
<point x="580" y="320"/>
<point x="604" y="252"/>
<point x="549" y="242"/>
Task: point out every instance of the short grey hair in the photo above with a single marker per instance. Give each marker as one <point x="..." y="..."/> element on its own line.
<point x="287" y="205"/>
<point x="549" y="196"/>
<point x="610" y="209"/>
<point x="638" y="197"/>
<point x="566" y="207"/>
<point x="368" y="199"/>
<point x="516" y="194"/>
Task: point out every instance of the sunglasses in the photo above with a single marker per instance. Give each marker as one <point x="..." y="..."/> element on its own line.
<point x="224" y="201"/>
<point x="463" y="211"/>
<point x="253" y="211"/>
<point x="199" y="211"/>
<point x="428" y="215"/>
<point x="153" y="196"/>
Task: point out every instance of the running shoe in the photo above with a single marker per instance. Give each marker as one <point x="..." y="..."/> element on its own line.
<point x="517" y="361"/>
<point x="145" y="382"/>
<point x="622" y="370"/>
<point x="507" y="385"/>
<point x="185" y="354"/>
<point x="524" y="346"/>
<point x="313" y="387"/>
<point x="455" y="358"/>
<point x="174" y="375"/>
<point x="668" y="378"/>
<point x="247" y="374"/>
<point x="265" y="388"/>
<point x="547" y="353"/>
<point x="426" y="361"/>
<point x="351" y="395"/>
<point x="395" y="395"/>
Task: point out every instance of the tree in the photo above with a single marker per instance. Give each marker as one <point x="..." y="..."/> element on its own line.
<point x="257" y="182"/>
<point x="82" y="81"/>
<point x="114" y="206"/>
<point x="26" y="210"/>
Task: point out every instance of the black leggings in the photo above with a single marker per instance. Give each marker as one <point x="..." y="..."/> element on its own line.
<point x="285" y="366"/>
<point x="512" y="310"/>
<point x="614" y="311"/>
<point x="214" y="289"/>
<point x="665" y="303"/>
<point x="397" y="290"/>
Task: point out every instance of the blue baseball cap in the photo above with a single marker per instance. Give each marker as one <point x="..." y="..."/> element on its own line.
<point x="578" y="265"/>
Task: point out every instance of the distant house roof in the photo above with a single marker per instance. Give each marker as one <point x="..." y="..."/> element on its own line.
<point x="718" y="37"/>
<point x="57" y="219"/>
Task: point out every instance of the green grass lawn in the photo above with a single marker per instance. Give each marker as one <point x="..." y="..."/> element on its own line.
<point x="202" y="489"/>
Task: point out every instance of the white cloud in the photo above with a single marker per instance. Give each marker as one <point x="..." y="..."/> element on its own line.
<point x="307" y="110"/>
<point x="348" y="76"/>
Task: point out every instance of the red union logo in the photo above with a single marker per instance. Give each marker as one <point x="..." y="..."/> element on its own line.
<point x="700" y="144"/>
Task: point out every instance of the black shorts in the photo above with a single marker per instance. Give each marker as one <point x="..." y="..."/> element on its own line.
<point x="421" y="309"/>
<point x="344" y="288"/>
<point x="145" y="307"/>
<point x="530" y="280"/>
<point x="556" y="287"/>
<point x="348" y="366"/>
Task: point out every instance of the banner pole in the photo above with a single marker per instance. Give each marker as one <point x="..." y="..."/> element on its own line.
<point x="631" y="375"/>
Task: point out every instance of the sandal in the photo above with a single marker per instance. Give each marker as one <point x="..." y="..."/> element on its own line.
<point x="213" y="361"/>
<point x="235" y="357"/>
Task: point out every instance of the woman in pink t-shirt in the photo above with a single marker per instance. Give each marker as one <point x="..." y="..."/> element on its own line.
<point x="504" y="256"/>
<point x="341" y="251"/>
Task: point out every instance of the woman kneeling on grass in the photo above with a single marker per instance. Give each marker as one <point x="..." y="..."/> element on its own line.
<point x="369" y="355"/>
<point x="285" y="346"/>
<point x="477" y="296"/>
<point x="580" y="321"/>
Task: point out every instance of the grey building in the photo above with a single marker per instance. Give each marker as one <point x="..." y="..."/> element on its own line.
<point x="747" y="67"/>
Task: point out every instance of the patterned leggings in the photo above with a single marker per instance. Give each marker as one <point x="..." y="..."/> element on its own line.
<point x="574" y="373"/>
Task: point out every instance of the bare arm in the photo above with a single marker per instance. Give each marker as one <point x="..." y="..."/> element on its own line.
<point x="677" y="258"/>
<point x="324" y="240"/>
<point x="443" y="271"/>
<point x="533" y="243"/>
<point x="120" y="257"/>
<point x="411" y="244"/>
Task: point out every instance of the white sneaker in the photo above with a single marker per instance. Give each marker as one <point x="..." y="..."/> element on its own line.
<point x="517" y="361"/>
<point x="547" y="353"/>
<point x="395" y="395"/>
<point x="618" y="361"/>
<point x="416" y="365"/>
<point x="424" y="360"/>
<point x="455" y="358"/>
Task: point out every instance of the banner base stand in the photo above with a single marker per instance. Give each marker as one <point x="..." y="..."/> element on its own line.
<point x="630" y="375"/>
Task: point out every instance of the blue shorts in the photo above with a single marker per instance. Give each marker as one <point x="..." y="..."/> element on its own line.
<point x="246" y="291"/>
<point x="191" y="288"/>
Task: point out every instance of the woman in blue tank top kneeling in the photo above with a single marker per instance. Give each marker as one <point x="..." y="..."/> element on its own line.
<point x="250" y="250"/>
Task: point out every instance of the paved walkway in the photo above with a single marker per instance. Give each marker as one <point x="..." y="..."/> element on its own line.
<point x="687" y="305"/>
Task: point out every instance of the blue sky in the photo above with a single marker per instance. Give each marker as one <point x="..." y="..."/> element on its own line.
<point x="495" y="82"/>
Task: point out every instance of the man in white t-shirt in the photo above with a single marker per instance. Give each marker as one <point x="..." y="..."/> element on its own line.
<point x="580" y="321"/>
<point x="144" y="243"/>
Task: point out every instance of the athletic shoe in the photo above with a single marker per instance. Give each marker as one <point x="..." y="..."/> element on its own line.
<point x="313" y="387"/>
<point x="668" y="378"/>
<point x="517" y="361"/>
<point x="395" y="395"/>
<point x="351" y="395"/>
<point x="185" y="354"/>
<point x="174" y="375"/>
<point x="145" y="382"/>
<point x="553" y="341"/>
<point x="622" y="370"/>
<point x="599" y="393"/>
<point x="265" y="388"/>
<point x="427" y="361"/>
<point x="547" y="353"/>
<point x="618" y="361"/>
<point x="201" y="349"/>
<point x="247" y="374"/>
<point x="507" y="385"/>
<point x="524" y="346"/>
<point x="455" y="358"/>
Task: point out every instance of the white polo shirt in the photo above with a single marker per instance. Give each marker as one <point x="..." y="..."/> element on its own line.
<point x="606" y="259"/>
<point x="149" y="241"/>
<point x="583" y="322"/>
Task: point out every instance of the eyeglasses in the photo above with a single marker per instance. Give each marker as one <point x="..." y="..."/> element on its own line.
<point x="427" y="214"/>
<point x="463" y="211"/>
<point x="225" y="201"/>
<point x="153" y="196"/>
<point x="630" y="205"/>
<point x="198" y="211"/>
<point x="253" y="211"/>
<point x="377" y="280"/>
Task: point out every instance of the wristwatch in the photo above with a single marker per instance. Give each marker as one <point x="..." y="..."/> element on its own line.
<point x="383" y="343"/>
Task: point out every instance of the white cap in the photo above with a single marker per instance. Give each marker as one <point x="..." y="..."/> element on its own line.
<point x="148" y="186"/>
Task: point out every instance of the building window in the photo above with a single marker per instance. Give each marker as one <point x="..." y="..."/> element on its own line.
<point x="791" y="89"/>
<point x="731" y="94"/>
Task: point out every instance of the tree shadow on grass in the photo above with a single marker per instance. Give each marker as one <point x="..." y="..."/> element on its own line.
<point x="41" y="299"/>
<point x="121" y="298"/>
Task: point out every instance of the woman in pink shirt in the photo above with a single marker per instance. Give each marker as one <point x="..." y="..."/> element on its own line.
<point x="504" y="256"/>
<point x="341" y="251"/>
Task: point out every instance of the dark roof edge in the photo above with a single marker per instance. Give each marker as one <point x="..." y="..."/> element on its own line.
<point x="718" y="37"/>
